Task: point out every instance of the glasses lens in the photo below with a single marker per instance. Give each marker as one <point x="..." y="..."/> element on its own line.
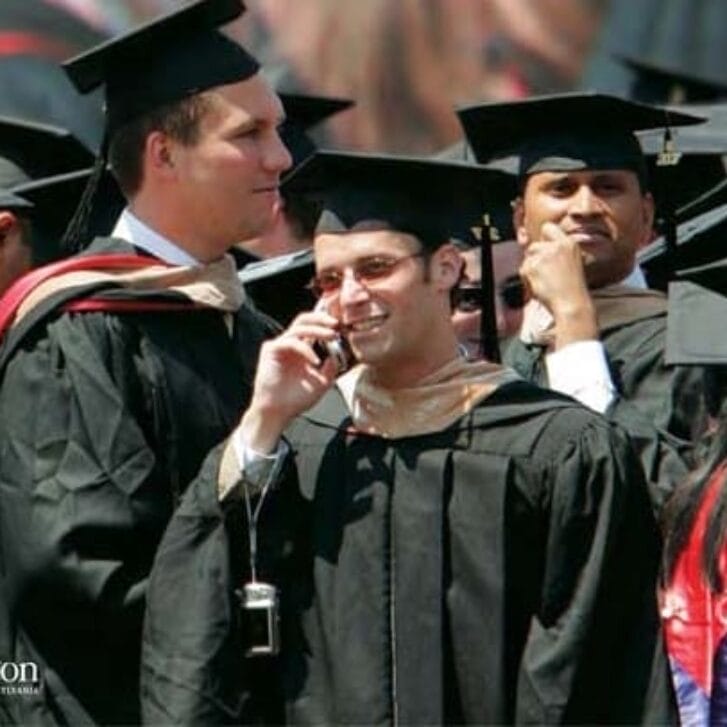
<point x="326" y="282"/>
<point x="512" y="293"/>
<point x="469" y="299"/>
<point x="376" y="267"/>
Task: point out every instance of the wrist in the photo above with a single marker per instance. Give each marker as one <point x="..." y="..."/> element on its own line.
<point x="575" y="323"/>
<point x="261" y="428"/>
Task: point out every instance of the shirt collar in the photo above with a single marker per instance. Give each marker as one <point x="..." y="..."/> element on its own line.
<point x="635" y="279"/>
<point x="130" y="228"/>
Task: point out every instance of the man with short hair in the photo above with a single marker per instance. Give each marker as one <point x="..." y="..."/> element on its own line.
<point x="448" y="542"/>
<point x="592" y="328"/>
<point x="123" y="367"/>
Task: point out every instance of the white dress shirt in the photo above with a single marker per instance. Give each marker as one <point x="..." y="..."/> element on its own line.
<point x="130" y="228"/>
<point x="580" y="369"/>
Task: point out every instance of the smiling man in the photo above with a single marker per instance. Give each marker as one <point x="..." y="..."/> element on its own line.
<point x="445" y="544"/>
<point x="125" y="366"/>
<point x="592" y="329"/>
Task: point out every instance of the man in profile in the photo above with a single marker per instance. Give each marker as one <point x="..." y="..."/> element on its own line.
<point x="125" y="366"/>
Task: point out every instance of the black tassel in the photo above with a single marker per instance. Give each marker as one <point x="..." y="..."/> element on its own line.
<point x="75" y="238"/>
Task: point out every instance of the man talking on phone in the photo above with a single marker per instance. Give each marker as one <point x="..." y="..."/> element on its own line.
<point x="422" y="540"/>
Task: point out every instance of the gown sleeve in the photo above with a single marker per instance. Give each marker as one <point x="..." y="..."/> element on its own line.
<point x="593" y="639"/>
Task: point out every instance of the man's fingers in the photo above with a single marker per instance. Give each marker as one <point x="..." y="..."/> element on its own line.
<point x="288" y="345"/>
<point x="551" y="232"/>
<point x="310" y="331"/>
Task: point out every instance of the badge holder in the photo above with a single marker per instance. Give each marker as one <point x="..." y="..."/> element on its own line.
<point x="258" y="601"/>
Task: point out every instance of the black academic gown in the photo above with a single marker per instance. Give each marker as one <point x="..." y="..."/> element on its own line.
<point x="499" y="571"/>
<point x="104" y="421"/>
<point x="660" y="406"/>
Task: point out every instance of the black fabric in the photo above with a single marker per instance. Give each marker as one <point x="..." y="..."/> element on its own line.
<point x="104" y="421"/>
<point x="31" y="150"/>
<point x="431" y="199"/>
<point x="563" y="132"/>
<point x="660" y="406"/>
<point x="475" y="575"/>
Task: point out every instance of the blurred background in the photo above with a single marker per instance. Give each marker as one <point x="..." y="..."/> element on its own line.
<point x="406" y="63"/>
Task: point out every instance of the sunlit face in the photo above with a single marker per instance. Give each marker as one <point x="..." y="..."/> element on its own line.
<point x="605" y="212"/>
<point x="506" y="257"/>
<point x="228" y="180"/>
<point x="389" y="321"/>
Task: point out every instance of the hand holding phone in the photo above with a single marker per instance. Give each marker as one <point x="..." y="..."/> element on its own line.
<point x="336" y="348"/>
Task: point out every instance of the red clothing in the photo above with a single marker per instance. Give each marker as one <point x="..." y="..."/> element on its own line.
<point x="695" y="623"/>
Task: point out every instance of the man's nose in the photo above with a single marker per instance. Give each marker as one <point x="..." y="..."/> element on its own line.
<point x="352" y="290"/>
<point x="585" y="201"/>
<point x="277" y="158"/>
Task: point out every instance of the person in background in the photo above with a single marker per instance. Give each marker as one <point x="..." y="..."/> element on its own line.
<point x="125" y="366"/>
<point x="694" y="585"/>
<point x="294" y="220"/>
<point x="508" y="294"/>
<point x="591" y="328"/>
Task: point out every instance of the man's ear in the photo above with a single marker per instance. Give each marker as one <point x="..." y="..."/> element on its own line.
<point x="8" y="222"/>
<point x="159" y="153"/>
<point x="447" y="267"/>
<point x="518" y="221"/>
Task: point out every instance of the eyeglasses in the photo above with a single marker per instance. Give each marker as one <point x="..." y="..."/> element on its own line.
<point x="512" y="295"/>
<point x="366" y="271"/>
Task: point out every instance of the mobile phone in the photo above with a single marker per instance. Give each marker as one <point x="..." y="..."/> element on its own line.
<point x="336" y="348"/>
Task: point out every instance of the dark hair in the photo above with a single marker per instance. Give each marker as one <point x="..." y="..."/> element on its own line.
<point x="302" y="214"/>
<point x="180" y="120"/>
<point x="681" y="510"/>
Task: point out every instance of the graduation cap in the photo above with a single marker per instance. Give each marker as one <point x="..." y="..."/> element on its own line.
<point x="31" y="150"/>
<point x="699" y="241"/>
<point x="163" y="61"/>
<point x="701" y="166"/>
<point x="278" y="286"/>
<point x="435" y="201"/>
<point x="709" y="137"/>
<point x="713" y="197"/>
<point x="566" y="132"/>
<point x="11" y="201"/>
<point x="696" y="314"/>
<point x="302" y="112"/>
<point x="658" y="82"/>
<point x="54" y="200"/>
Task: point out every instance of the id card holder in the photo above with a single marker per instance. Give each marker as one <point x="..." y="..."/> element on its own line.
<point x="260" y="616"/>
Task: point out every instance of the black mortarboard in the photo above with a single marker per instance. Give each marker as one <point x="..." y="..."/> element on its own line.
<point x="278" y="286"/>
<point x="696" y="315"/>
<point x="303" y="111"/>
<point x="163" y="61"/>
<point x="700" y="241"/>
<point x="30" y="150"/>
<point x="709" y="137"/>
<point x="565" y="132"/>
<point x="701" y="166"/>
<point x="435" y="201"/>
<point x="713" y="197"/>
<point x="11" y="201"/>
<point x="54" y="200"/>
<point x="657" y="82"/>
